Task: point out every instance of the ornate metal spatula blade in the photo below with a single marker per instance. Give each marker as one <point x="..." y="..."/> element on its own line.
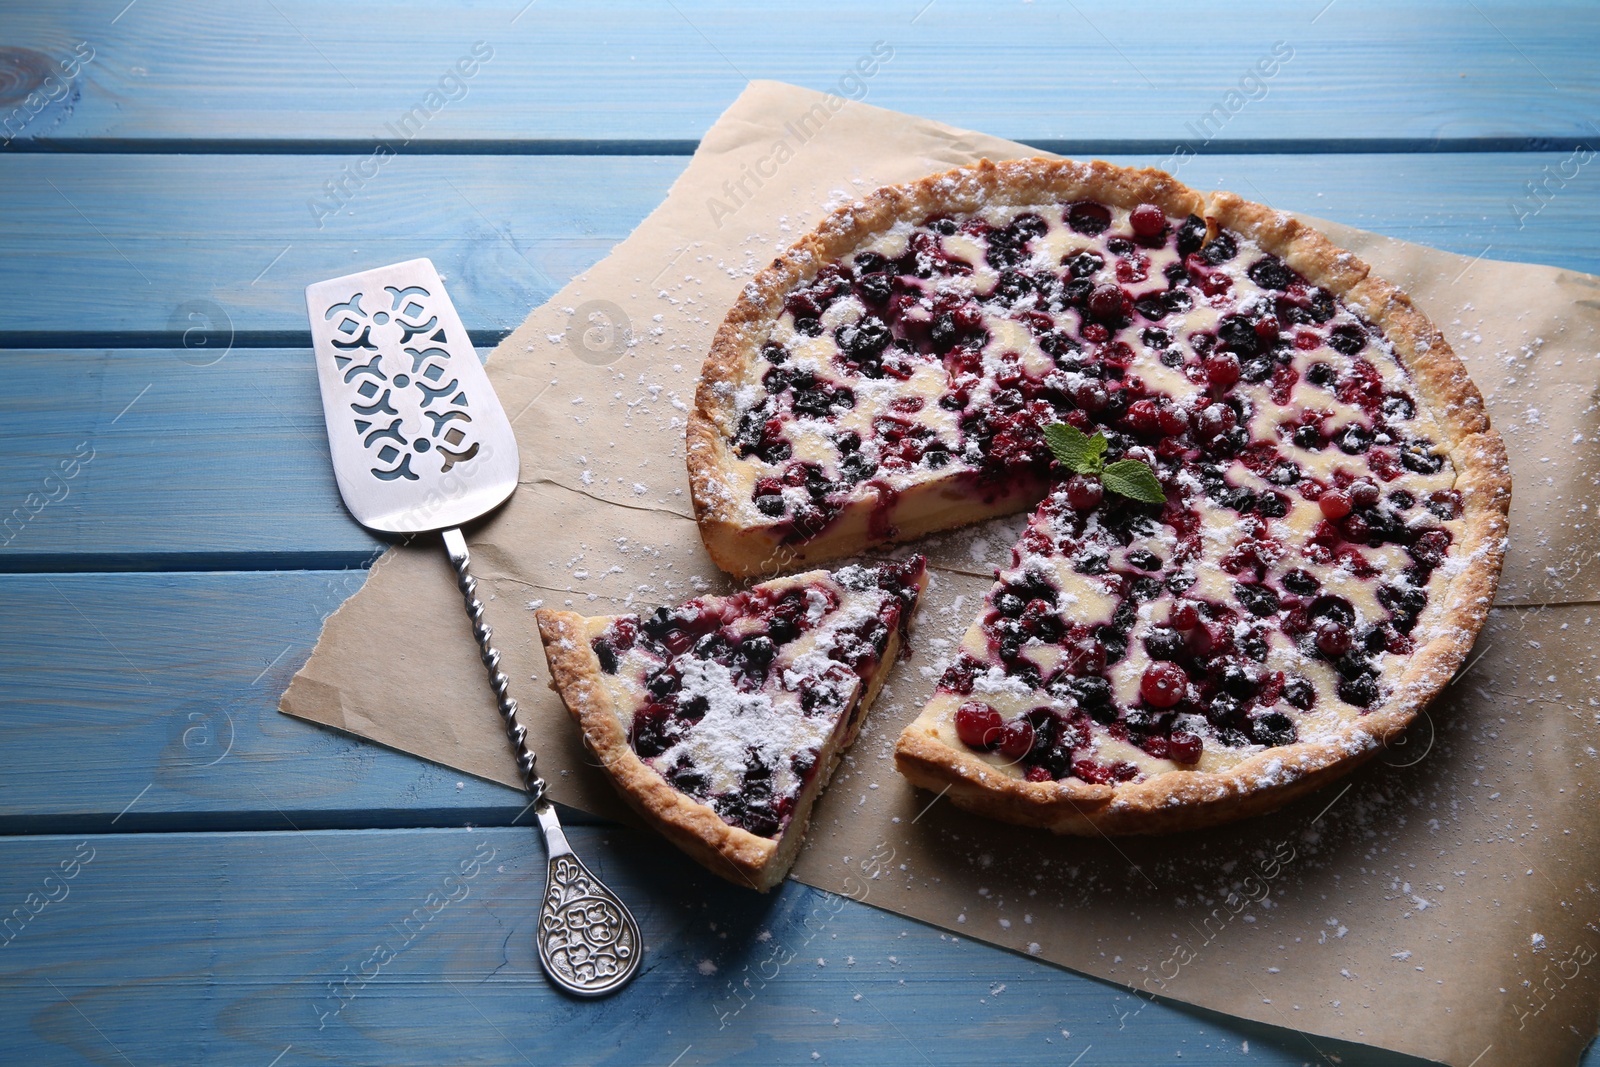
<point x="420" y="443"/>
<point x="418" y="437"/>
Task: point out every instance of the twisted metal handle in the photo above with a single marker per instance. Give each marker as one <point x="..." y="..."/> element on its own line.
<point x="588" y="940"/>
<point x="456" y="546"/>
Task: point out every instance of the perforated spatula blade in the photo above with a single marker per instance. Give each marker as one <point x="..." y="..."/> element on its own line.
<point x="420" y="443"/>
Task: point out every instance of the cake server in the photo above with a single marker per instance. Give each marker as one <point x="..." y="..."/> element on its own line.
<point x="420" y="443"/>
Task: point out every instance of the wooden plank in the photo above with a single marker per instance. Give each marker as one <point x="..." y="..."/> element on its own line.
<point x="170" y="465"/>
<point x="414" y="947"/>
<point x="136" y="243"/>
<point x="140" y="702"/>
<point x="136" y="250"/>
<point x="296" y="71"/>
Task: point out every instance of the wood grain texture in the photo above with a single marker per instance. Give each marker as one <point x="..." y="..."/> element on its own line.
<point x="149" y="701"/>
<point x="124" y="244"/>
<point x="126" y="251"/>
<point x="189" y="467"/>
<point x="416" y="947"/>
<point x="298" y="70"/>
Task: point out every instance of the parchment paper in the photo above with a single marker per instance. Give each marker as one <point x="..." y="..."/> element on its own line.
<point x="1442" y="903"/>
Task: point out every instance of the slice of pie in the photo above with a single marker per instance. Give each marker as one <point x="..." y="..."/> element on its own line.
<point x="721" y="720"/>
<point x="1332" y="509"/>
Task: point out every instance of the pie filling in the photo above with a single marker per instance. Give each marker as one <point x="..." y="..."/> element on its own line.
<point x="1309" y="513"/>
<point x="740" y="701"/>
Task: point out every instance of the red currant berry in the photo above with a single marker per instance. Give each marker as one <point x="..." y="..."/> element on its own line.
<point x="1209" y="638"/>
<point x="1145" y="417"/>
<point x="978" y="725"/>
<point x="1172" y="421"/>
<point x="1084" y="657"/>
<point x="1084" y="492"/>
<point x="1362" y="494"/>
<point x="1133" y="270"/>
<point x="1334" y="503"/>
<point x="1016" y="738"/>
<point x="1109" y="302"/>
<point x="1185" y="615"/>
<point x="1333" y="640"/>
<point x="1163" y="684"/>
<point x="1147" y="220"/>
<point x="1222" y="369"/>
<point x="1356" y="529"/>
<point x="1184" y="747"/>
<point x="1091" y="395"/>
<point x="1430" y="548"/>
<point x="1267" y="328"/>
<point x="1384" y="464"/>
<point x="1038" y="774"/>
<point x="1214" y="421"/>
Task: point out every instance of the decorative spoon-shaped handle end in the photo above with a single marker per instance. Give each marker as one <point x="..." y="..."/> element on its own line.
<point x="588" y="940"/>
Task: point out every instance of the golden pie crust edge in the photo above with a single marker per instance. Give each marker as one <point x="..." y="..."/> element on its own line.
<point x="1178" y="799"/>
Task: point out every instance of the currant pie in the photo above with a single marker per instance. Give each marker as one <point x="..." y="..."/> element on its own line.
<point x="721" y="720"/>
<point x="1332" y="501"/>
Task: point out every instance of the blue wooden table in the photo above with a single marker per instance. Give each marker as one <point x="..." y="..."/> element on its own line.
<point x="191" y="877"/>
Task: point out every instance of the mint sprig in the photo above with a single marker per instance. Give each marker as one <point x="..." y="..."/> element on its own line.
<point x="1082" y="454"/>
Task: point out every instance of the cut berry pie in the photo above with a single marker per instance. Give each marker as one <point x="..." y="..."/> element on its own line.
<point x="1309" y="549"/>
<point x="722" y="720"/>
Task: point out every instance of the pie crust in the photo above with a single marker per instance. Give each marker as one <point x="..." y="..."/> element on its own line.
<point x="926" y="498"/>
<point x="606" y="705"/>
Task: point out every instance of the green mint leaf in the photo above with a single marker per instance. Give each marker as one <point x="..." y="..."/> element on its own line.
<point x="1097" y="449"/>
<point x="1133" y="478"/>
<point x="1071" y="445"/>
